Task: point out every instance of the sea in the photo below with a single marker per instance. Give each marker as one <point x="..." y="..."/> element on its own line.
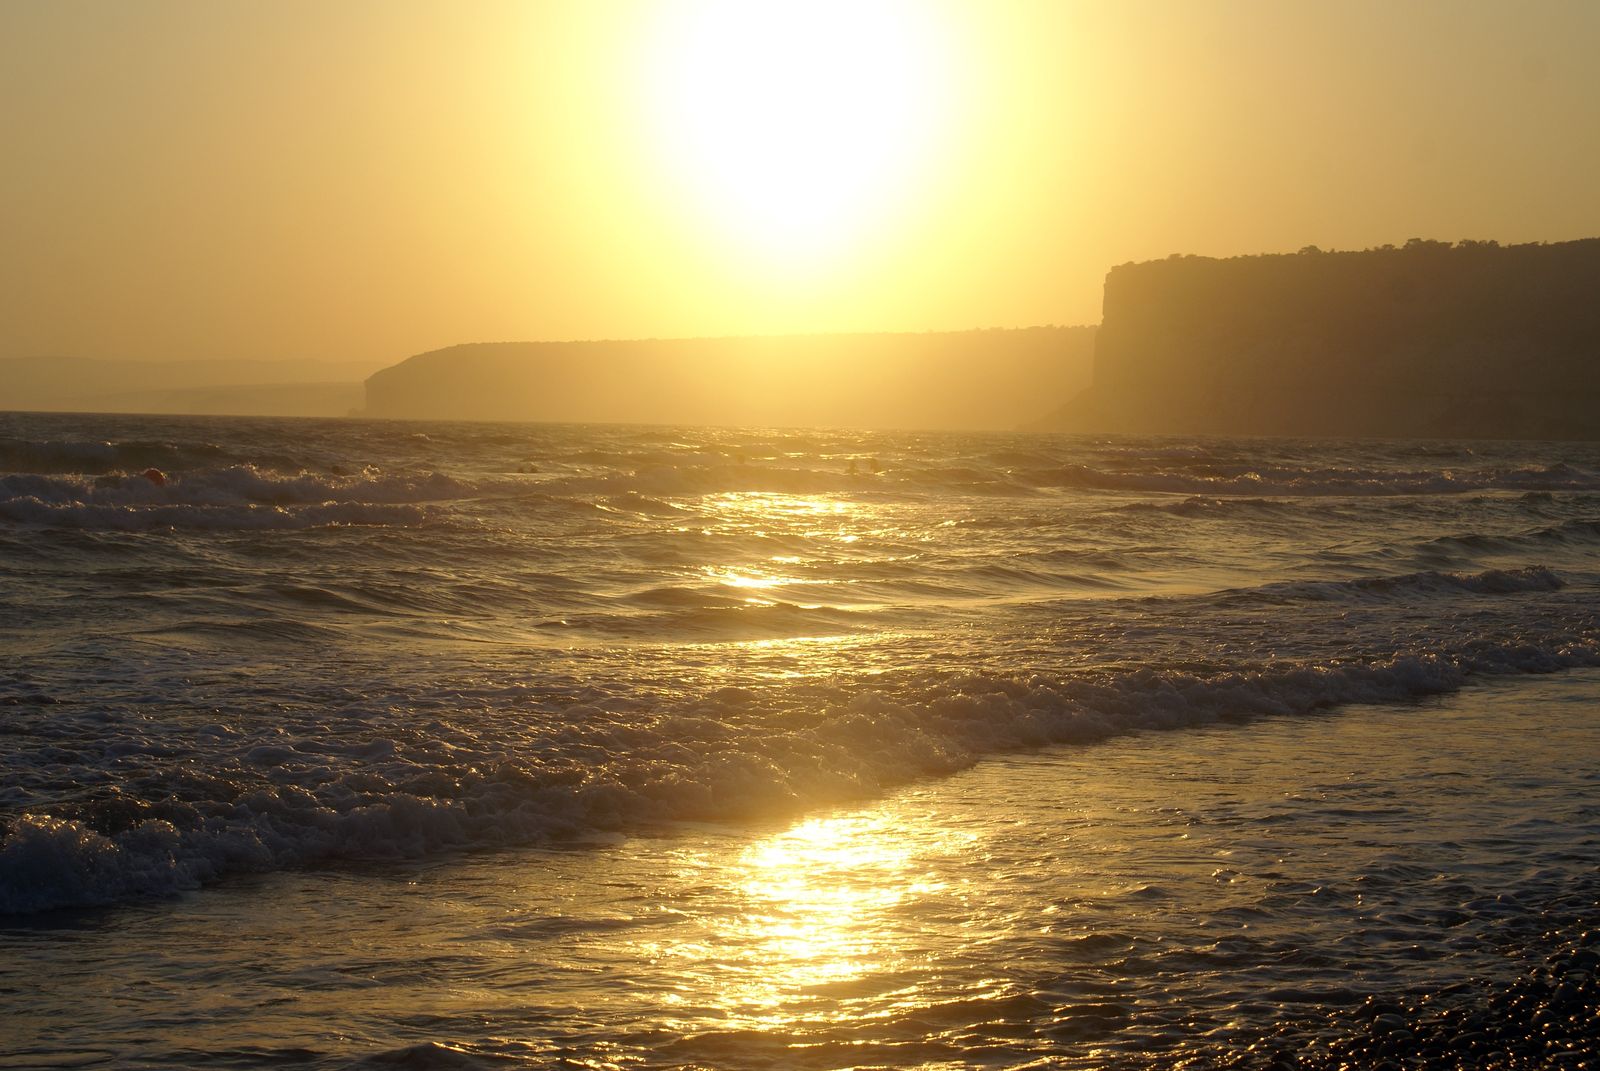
<point x="376" y="744"/>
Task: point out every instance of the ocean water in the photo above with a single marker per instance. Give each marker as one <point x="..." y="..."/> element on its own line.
<point x="408" y="744"/>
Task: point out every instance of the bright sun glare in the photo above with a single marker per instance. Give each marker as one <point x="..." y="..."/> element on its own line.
<point x="799" y="125"/>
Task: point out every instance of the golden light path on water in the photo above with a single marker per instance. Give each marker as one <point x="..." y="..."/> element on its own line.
<point x="867" y="915"/>
<point x="820" y="909"/>
<point x="810" y="515"/>
<point x="838" y="919"/>
<point x="820" y="531"/>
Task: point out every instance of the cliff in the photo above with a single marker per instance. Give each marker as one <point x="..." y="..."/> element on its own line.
<point x="1471" y="340"/>
<point x="960" y="380"/>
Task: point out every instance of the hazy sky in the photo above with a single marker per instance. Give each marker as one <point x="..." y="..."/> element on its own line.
<point x="375" y="179"/>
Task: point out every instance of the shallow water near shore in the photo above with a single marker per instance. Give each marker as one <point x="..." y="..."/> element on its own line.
<point x="443" y="745"/>
<point x="1137" y="903"/>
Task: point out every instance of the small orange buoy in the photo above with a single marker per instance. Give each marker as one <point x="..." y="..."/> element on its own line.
<point x="156" y="476"/>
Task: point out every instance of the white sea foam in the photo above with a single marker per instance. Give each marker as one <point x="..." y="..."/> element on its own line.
<point x="375" y="799"/>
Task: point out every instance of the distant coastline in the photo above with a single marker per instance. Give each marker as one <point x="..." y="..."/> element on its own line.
<point x="1426" y="340"/>
<point x="1472" y="340"/>
<point x="991" y="379"/>
<point x="223" y="387"/>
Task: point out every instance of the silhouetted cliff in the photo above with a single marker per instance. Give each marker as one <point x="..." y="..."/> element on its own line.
<point x="961" y="379"/>
<point x="1470" y="340"/>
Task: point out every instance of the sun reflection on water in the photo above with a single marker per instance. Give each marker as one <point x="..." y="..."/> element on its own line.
<point x="817" y="895"/>
<point x="817" y="919"/>
<point x="832" y="914"/>
<point x="776" y="505"/>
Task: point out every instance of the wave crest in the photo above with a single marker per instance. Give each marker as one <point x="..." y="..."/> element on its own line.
<point x="236" y="497"/>
<point x="1404" y="586"/>
<point x="382" y="800"/>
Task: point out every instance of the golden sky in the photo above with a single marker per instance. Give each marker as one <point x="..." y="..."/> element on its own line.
<point x="373" y="179"/>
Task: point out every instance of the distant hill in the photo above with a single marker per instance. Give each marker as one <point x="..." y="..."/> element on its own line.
<point x="230" y="387"/>
<point x="1429" y="340"/>
<point x="992" y="379"/>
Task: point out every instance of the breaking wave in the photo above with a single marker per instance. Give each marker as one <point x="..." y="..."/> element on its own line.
<point x="1378" y="588"/>
<point x="1291" y="480"/>
<point x="65" y="456"/>
<point x="574" y="632"/>
<point x="237" y="497"/>
<point x="274" y="802"/>
<point x="1571" y="532"/>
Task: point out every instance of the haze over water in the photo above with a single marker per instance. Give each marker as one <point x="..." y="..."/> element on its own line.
<point x="732" y="748"/>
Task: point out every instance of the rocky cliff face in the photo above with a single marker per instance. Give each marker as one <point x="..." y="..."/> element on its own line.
<point x="1470" y="340"/>
<point x="962" y="380"/>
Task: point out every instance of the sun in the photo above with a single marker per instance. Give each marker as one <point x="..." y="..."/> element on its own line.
<point x="798" y="128"/>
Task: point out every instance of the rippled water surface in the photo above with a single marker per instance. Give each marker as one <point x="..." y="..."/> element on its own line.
<point x="443" y="744"/>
